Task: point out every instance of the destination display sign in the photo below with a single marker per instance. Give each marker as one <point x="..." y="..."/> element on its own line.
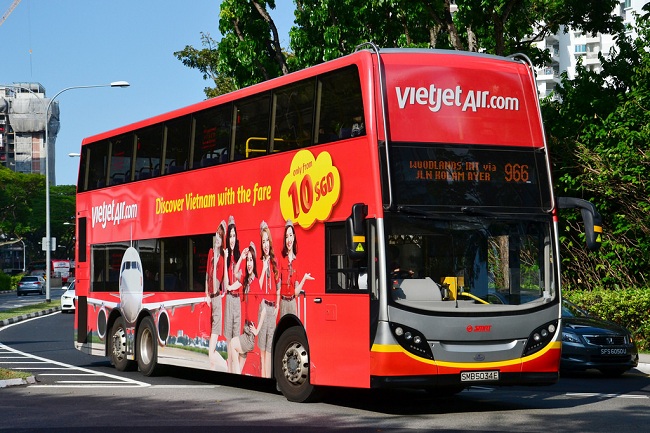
<point x="469" y="176"/>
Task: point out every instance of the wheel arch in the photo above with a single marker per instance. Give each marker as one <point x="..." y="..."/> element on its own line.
<point x="112" y="317"/>
<point x="286" y="322"/>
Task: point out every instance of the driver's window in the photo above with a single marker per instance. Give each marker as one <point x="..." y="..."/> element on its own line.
<point x="404" y="256"/>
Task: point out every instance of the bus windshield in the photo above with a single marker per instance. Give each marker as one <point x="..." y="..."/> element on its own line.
<point x="469" y="261"/>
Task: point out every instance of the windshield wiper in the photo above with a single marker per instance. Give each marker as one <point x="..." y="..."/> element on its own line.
<point x="478" y="212"/>
<point x="415" y="211"/>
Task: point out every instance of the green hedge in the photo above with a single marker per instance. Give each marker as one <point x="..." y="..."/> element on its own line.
<point x="628" y="307"/>
<point x="9" y="282"/>
<point x="5" y="282"/>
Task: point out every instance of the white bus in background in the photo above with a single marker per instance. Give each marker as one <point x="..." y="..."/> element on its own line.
<point x="61" y="268"/>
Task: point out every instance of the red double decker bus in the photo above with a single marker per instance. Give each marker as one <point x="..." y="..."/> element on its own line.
<point x="385" y="219"/>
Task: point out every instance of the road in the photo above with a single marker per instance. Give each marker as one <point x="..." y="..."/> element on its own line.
<point x="76" y="392"/>
<point x="9" y="300"/>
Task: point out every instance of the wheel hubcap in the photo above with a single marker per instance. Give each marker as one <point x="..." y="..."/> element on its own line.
<point x="295" y="364"/>
<point x="119" y="344"/>
<point x="146" y="347"/>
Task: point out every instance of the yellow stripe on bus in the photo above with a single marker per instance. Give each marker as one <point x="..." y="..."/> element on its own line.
<point x="396" y="348"/>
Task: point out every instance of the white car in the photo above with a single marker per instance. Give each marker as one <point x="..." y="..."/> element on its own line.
<point x="68" y="299"/>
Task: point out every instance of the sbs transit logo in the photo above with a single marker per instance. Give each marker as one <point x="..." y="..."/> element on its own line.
<point x="437" y="98"/>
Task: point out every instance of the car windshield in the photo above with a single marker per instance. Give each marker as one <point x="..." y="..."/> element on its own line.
<point x="474" y="260"/>
<point x="572" y="310"/>
<point x="29" y="279"/>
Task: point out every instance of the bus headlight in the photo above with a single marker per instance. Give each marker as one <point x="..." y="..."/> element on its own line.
<point x="540" y="337"/>
<point x="411" y="340"/>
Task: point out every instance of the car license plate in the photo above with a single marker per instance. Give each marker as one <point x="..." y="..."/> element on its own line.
<point x="613" y="351"/>
<point x="479" y="376"/>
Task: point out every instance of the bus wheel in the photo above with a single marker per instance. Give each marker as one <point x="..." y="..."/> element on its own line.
<point x="147" y="347"/>
<point x="291" y="366"/>
<point x="117" y="346"/>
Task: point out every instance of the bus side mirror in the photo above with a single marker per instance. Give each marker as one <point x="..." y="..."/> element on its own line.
<point x="590" y="217"/>
<point x="355" y="232"/>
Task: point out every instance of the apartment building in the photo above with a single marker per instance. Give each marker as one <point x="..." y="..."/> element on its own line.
<point x="568" y="47"/>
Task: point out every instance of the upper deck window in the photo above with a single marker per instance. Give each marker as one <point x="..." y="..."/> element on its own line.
<point x="212" y="136"/>
<point x="148" y="152"/>
<point x="252" y="123"/>
<point x="177" y="145"/>
<point x="294" y="116"/>
<point x="121" y="159"/>
<point x="341" y="106"/>
<point x="316" y="110"/>
<point x="94" y="166"/>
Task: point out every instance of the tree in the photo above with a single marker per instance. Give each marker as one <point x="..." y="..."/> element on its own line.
<point x="17" y="195"/>
<point x="62" y="210"/>
<point x="22" y="210"/>
<point x="326" y="30"/>
<point x="250" y="51"/>
<point x="599" y="133"/>
<point x="588" y="130"/>
<point x="206" y="61"/>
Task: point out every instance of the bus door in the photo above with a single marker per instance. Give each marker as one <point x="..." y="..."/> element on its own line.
<point x="340" y="321"/>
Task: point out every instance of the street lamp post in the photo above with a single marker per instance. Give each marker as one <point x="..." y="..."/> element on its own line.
<point x="48" y="246"/>
<point x="24" y="255"/>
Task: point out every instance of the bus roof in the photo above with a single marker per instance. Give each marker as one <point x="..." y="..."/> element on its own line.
<point x="402" y="59"/>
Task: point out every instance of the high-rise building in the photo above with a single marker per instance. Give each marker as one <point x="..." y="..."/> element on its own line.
<point x="22" y="129"/>
<point x="567" y="47"/>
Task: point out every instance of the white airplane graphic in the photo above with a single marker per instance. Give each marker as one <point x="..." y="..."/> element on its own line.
<point x="131" y="285"/>
<point x="131" y="294"/>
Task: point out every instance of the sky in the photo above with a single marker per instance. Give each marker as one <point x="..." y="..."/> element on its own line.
<point x="67" y="43"/>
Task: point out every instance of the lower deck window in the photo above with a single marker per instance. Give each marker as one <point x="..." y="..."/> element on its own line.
<point x="170" y="264"/>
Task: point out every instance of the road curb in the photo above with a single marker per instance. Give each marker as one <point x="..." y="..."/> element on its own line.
<point x="17" y="382"/>
<point x="17" y="319"/>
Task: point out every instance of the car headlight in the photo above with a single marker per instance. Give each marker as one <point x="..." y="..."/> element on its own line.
<point x="570" y="337"/>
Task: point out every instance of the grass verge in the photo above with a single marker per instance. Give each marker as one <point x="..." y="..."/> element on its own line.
<point x="6" y="374"/>
<point x="15" y="312"/>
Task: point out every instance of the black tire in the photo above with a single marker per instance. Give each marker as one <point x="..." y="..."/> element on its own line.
<point x="291" y="366"/>
<point x="117" y="346"/>
<point x="146" y="347"/>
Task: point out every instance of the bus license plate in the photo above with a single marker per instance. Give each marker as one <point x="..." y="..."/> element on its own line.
<point x="479" y="376"/>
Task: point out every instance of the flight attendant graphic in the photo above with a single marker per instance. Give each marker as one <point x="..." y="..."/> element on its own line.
<point x="214" y="293"/>
<point x="242" y="345"/>
<point x="291" y="286"/>
<point x="232" y="285"/>
<point x="269" y="280"/>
